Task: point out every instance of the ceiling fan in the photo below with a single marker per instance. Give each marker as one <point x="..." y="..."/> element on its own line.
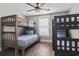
<point x="37" y="7"/>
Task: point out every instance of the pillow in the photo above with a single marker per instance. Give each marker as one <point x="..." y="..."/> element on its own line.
<point x="61" y="33"/>
<point x="29" y="32"/>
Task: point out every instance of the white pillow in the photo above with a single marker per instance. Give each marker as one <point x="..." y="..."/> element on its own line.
<point x="74" y="33"/>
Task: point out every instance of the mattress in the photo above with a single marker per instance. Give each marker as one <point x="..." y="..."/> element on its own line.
<point x="26" y="40"/>
<point x="74" y="33"/>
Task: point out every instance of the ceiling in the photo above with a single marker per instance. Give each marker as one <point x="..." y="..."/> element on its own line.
<point x="21" y="8"/>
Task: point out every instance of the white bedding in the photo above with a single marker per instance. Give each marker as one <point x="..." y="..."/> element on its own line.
<point x="26" y="40"/>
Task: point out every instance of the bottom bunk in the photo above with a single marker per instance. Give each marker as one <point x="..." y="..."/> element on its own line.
<point x="11" y="51"/>
<point x="24" y="41"/>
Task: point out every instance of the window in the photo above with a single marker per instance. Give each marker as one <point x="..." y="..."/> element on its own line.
<point x="44" y="27"/>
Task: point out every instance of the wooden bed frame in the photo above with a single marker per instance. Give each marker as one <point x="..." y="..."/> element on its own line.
<point x="58" y="24"/>
<point x="11" y="40"/>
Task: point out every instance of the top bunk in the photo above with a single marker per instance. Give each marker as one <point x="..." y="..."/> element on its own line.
<point x="13" y="23"/>
<point x="11" y="20"/>
<point x="15" y="20"/>
<point x="67" y="21"/>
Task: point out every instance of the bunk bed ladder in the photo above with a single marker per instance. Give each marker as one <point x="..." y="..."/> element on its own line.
<point x="37" y="31"/>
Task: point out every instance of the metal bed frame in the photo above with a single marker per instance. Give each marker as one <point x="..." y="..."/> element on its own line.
<point x="65" y="22"/>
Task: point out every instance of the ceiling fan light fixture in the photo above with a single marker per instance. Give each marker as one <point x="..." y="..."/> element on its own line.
<point x="37" y="8"/>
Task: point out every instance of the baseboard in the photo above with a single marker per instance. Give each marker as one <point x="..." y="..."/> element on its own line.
<point x="45" y="40"/>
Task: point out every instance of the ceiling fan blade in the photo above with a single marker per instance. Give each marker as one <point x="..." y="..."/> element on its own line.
<point x="30" y="5"/>
<point x="42" y="4"/>
<point x="31" y="10"/>
<point x="44" y="9"/>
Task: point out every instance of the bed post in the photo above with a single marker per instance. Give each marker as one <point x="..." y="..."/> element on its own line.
<point x="16" y="35"/>
<point x="22" y="52"/>
<point x="16" y="52"/>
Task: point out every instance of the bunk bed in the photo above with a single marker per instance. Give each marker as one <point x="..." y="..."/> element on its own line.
<point x="12" y="37"/>
<point x="65" y="35"/>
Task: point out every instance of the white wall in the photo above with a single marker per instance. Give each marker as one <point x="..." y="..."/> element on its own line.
<point x="51" y="16"/>
<point x="74" y="9"/>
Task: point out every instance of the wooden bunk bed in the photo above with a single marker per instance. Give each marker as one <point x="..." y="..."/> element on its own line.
<point x="10" y="38"/>
<point x="63" y="43"/>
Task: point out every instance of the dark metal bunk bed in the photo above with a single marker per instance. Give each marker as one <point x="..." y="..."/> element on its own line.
<point x="11" y="38"/>
<point x="63" y="43"/>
